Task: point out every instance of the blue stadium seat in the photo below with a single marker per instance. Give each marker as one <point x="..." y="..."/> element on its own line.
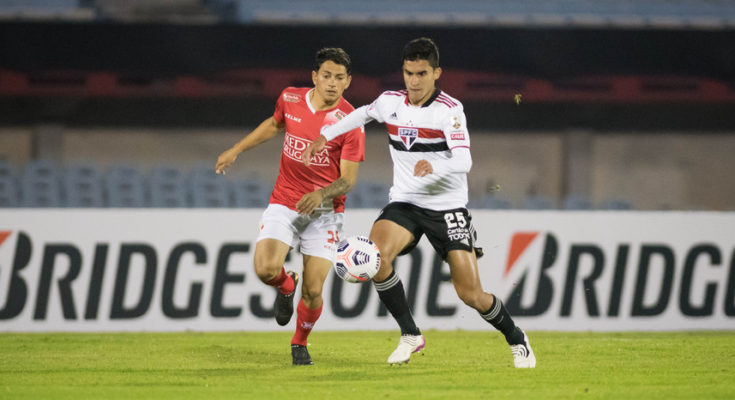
<point x="125" y="187"/>
<point x="250" y="193"/>
<point x="167" y="187"/>
<point x="616" y="204"/>
<point x="207" y="189"/>
<point x="368" y="195"/>
<point x="539" y="202"/>
<point x="7" y="170"/>
<point x="490" y="201"/>
<point x="9" y="192"/>
<point x="40" y="185"/>
<point x="82" y="186"/>
<point x="577" y="202"/>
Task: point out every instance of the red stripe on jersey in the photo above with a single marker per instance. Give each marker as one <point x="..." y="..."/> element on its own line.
<point x="393" y="94"/>
<point x="446" y="103"/>
<point x="459" y="147"/>
<point x="424" y="133"/>
<point x="447" y="98"/>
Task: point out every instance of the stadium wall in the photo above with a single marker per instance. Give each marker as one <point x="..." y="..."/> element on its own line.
<point x="175" y="270"/>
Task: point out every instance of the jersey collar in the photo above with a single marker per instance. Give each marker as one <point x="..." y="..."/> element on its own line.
<point x="308" y="101"/>
<point x="433" y="97"/>
<point x="311" y="107"/>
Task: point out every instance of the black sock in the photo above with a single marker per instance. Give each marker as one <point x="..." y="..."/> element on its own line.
<point x="392" y="295"/>
<point x="499" y="317"/>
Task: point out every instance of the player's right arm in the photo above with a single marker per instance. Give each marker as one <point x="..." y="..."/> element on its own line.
<point x="264" y="132"/>
<point x="353" y="120"/>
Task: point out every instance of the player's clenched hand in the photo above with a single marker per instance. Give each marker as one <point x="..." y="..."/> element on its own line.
<point x="224" y="160"/>
<point x="315" y="147"/>
<point x="422" y="168"/>
<point x="309" y="202"/>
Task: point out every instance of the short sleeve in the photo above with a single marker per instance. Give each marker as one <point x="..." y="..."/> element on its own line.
<point x="278" y="113"/>
<point x="353" y="147"/>
<point x="455" y="129"/>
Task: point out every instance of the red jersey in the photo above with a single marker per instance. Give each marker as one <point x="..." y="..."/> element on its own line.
<point x="303" y="126"/>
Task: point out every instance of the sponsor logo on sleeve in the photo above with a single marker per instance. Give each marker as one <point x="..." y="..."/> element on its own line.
<point x="457" y="136"/>
<point x="291" y="97"/>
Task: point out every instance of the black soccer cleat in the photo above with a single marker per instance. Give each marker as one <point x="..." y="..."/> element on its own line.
<point x="284" y="302"/>
<point x="300" y="355"/>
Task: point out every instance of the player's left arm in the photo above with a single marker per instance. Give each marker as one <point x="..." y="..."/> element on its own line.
<point x="458" y="141"/>
<point x="342" y="185"/>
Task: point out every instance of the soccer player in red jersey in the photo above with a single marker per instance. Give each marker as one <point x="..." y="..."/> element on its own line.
<point x="307" y="203"/>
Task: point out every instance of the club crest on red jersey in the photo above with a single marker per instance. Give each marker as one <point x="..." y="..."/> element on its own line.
<point x="408" y="136"/>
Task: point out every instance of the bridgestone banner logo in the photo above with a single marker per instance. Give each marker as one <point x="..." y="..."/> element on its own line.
<point x="168" y="270"/>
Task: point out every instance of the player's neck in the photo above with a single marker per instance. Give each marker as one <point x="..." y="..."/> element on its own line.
<point x="422" y="100"/>
<point x="319" y="103"/>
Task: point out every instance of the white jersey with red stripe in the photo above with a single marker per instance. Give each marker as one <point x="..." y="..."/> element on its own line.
<point x="429" y="132"/>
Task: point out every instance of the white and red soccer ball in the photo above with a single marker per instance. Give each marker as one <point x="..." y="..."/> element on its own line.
<point x="357" y="259"/>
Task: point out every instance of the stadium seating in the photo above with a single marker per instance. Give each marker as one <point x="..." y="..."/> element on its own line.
<point x="40" y="185"/>
<point x="82" y="186"/>
<point x="539" y="202"/>
<point x="39" y="9"/>
<point x="577" y="202"/>
<point x="207" y="189"/>
<point x="368" y="195"/>
<point x="250" y="193"/>
<point x="492" y="202"/>
<point x="125" y="187"/>
<point x="8" y="185"/>
<point x="600" y="13"/>
<point x="8" y="193"/>
<point x="616" y="204"/>
<point x="44" y="183"/>
<point x="167" y="186"/>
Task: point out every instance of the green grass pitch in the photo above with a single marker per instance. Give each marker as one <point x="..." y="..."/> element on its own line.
<point x="457" y="365"/>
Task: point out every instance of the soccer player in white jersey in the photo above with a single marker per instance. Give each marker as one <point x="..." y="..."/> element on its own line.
<point x="307" y="204"/>
<point x="430" y="148"/>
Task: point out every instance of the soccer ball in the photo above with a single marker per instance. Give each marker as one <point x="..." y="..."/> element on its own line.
<point x="357" y="260"/>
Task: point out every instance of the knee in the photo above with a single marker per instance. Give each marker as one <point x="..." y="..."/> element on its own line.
<point x="311" y="293"/>
<point x="386" y="262"/>
<point x="267" y="270"/>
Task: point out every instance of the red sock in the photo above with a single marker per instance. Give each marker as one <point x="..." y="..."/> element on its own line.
<point x="283" y="282"/>
<point x="305" y="319"/>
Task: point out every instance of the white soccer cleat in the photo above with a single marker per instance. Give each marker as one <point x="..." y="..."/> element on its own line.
<point x="523" y="356"/>
<point x="408" y="345"/>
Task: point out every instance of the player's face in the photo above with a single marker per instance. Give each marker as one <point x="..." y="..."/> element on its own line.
<point x="330" y="82"/>
<point x="420" y="79"/>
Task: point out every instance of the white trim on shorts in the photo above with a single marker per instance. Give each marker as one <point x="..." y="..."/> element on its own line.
<point x="318" y="234"/>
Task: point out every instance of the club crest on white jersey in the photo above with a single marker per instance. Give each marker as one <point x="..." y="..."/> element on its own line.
<point x="408" y="136"/>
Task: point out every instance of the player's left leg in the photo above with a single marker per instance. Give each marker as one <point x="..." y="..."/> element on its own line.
<point x="309" y="308"/>
<point x="318" y="244"/>
<point x="466" y="280"/>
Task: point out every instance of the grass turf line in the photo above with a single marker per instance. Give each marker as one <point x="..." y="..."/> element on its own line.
<point x="457" y="364"/>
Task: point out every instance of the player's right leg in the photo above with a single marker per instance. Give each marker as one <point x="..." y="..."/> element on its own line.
<point x="392" y="238"/>
<point x="270" y="254"/>
<point x="277" y="236"/>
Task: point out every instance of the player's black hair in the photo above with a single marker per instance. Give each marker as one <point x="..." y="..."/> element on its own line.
<point x="335" y="55"/>
<point x="422" y="48"/>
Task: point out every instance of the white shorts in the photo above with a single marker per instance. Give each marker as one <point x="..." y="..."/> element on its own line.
<point x="317" y="233"/>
